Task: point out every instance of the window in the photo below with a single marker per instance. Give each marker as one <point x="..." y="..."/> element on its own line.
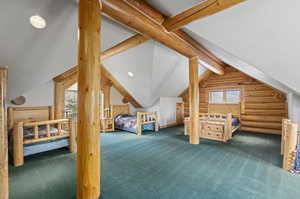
<point x="71" y="101"/>
<point x="216" y="97"/>
<point x="224" y="97"/>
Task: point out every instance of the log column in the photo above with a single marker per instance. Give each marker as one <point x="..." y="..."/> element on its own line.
<point x="88" y="155"/>
<point x="3" y="138"/>
<point x="194" y="100"/>
<point x="106" y="92"/>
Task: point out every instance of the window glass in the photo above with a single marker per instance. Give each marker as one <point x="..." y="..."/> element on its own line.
<point x="71" y="101"/>
<point x="216" y="97"/>
<point x="224" y="97"/>
<point x="232" y="97"/>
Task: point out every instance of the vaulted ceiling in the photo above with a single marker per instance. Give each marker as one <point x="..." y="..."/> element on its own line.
<point x="256" y="37"/>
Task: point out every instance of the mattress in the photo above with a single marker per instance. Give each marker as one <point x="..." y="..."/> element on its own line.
<point x="296" y="166"/>
<point x="127" y="122"/>
<point x="30" y="149"/>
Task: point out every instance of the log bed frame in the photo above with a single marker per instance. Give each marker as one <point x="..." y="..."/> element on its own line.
<point x="142" y="117"/>
<point x="214" y="126"/>
<point x="288" y="143"/>
<point x="19" y="118"/>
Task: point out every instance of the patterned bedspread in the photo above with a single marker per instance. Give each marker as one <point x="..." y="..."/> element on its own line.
<point x="297" y="160"/>
<point x="29" y="132"/>
<point x="235" y="122"/>
<point x="128" y="123"/>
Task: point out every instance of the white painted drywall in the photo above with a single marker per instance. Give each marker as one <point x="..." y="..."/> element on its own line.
<point x="263" y="34"/>
<point x="166" y="109"/>
<point x="294" y="108"/>
<point x="43" y="95"/>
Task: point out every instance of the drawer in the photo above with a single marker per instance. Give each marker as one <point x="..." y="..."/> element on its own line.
<point x="214" y="134"/>
<point x="214" y="127"/>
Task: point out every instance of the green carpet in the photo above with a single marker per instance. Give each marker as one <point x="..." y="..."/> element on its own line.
<point x="163" y="165"/>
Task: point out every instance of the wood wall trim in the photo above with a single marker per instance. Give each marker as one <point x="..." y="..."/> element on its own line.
<point x="4" y="190"/>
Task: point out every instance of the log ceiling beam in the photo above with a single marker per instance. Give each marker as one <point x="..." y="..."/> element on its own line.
<point x="117" y="85"/>
<point x="204" y="9"/>
<point x="123" y="13"/>
<point x="158" y="18"/>
<point x="72" y="74"/>
<point x="124" y="45"/>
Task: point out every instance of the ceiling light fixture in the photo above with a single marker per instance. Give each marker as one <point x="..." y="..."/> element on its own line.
<point x="130" y="74"/>
<point x="38" y="22"/>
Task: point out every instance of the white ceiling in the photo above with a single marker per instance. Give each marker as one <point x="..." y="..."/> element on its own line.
<point x="264" y="34"/>
<point x="256" y="35"/>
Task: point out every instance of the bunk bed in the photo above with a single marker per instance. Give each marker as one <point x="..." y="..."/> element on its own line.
<point x="142" y="121"/>
<point x="33" y="130"/>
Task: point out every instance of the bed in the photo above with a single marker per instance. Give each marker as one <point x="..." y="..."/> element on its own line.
<point x="33" y="130"/>
<point x="215" y="126"/>
<point x="142" y="121"/>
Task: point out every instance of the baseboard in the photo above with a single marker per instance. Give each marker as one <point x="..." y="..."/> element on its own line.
<point x="169" y="125"/>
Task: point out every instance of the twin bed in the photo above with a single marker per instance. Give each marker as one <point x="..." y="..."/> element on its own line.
<point x="34" y="130"/>
<point x="142" y="121"/>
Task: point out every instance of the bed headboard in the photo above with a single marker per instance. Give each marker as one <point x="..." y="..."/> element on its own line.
<point x="234" y="109"/>
<point x="29" y="114"/>
<point x="119" y="109"/>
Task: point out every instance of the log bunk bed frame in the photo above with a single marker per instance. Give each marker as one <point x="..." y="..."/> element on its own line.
<point x="35" y="117"/>
<point x="142" y="117"/>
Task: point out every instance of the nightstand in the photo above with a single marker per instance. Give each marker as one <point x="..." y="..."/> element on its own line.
<point x="107" y="125"/>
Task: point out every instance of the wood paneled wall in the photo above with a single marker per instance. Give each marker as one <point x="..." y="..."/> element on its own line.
<point x="262" y="107"/>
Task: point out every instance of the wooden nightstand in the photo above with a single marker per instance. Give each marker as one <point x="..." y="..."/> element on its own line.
<point x="107" y="125"/>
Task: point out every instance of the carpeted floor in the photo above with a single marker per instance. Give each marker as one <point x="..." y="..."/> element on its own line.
<point x="164" y="166"/>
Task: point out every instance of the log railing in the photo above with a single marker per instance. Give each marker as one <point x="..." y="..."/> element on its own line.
<point x="146" y="118"/>
<point x="65" y="128"/>
<point x="289" y="143"/>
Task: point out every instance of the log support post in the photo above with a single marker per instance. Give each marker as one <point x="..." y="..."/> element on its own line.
<point x="106" y="92"/>
<point x="3" y="137"/>
<point x="88" y="146"/>
<point x="194" y="100"/>
<point x="18" y="145"/>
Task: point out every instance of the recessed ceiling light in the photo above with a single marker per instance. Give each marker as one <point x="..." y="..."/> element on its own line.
<point x="130" y="74"/>
<point x="38" y="22"/>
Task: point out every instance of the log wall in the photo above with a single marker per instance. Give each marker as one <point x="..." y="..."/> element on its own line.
<point x="262" y="107"/>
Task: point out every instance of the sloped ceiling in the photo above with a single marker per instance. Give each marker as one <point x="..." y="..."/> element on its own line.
<point x="263" y="34"/>
<point x="256" y="32"/>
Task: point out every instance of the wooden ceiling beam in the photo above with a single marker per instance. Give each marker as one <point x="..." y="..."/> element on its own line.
<point x="72" y="74"/>
<point x="117" y="85"/>
<point x="203" y="54"/>
<point x="123" y="13"/>
<point x="123" y="46"/>
<point x="204" y="9"/>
